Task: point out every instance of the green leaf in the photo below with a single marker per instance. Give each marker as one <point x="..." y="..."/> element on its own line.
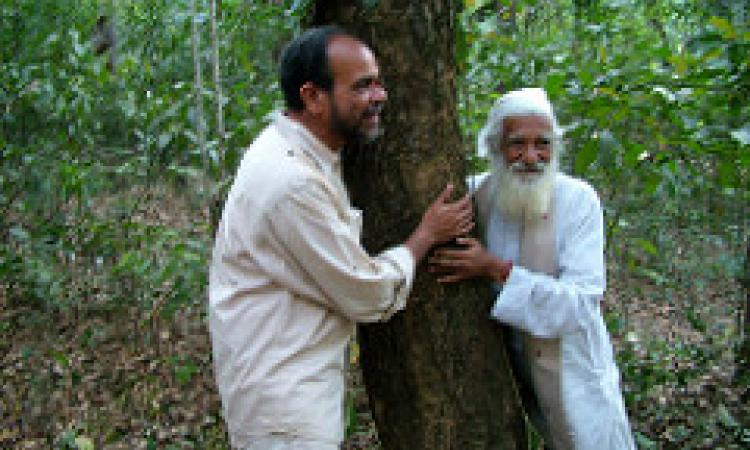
<point x="653" y="275"/>
<point x="184" y="370"/>
<point x="151" y="443"/>
<point x="587" y="78"/>
<point x="61" y="358"/>
<point x="680" y="64"/>
<point x="84" y="443"/>
<point x="652" y="182"/>
<point x="19" y="233"/>
<point x="644" y="442"/>
<point x="586" y="156"/>
<point x="725" y="28"/>
<point x="632" y="153"/>
<point x="695" y="320"/>
<point x="554" y="84"/>
<point x="647" y="246"/>
<point x="726" y="417"/>
<point x="351" y="416"/>
<point x="471" y="6"/>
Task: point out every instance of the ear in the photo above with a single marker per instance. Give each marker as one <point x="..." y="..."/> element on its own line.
<point x="312" y="97"/>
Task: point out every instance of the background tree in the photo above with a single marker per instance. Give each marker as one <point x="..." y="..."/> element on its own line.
<point x="436" y="374"/>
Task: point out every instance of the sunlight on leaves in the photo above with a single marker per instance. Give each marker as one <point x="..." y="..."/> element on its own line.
<point x="725" y="28"/>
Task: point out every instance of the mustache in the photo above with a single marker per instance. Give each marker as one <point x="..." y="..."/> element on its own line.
<point x="372" y="110"/>
<point x="520" y="166"/>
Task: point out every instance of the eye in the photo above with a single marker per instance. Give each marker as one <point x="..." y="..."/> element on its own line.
<point x="515" y="142"/>
<point x="366" y="84"/>
<point x="543" y="142"/>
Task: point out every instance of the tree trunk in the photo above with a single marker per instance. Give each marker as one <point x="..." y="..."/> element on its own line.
<point x="585" y="13"/>
<point x="198" y="85"/>
<point x="737" y="99"/>
<point x="743" y="355"/>
<point x="437" y="374"/>
<point x="217" y="89"/>
<point x="736" y="13"/>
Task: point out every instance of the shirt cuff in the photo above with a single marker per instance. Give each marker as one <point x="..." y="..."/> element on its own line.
<point x="404" y="262"/>
<point x="514" y="295"/>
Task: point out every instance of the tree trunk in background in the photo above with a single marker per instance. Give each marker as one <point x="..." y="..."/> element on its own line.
<point x="741" y="73"/>
<point x="217" y="87"/>
<point x="743" y="356"/>
<point x="436" y="374"/>
<point x="736" y="13"/>
<point x="656" y="23"/>
<point x="580" y="46"/>
<point x="585" y="13"/>
<point x="200" y="123"/>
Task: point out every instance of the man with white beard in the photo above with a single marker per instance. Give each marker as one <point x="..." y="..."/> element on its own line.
<point x="543" y="250"/>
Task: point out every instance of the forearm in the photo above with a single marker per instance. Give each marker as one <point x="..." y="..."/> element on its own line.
<point x="498" y="270"/>
<point x="546" y="306"/>
<point x="419" y="243"/>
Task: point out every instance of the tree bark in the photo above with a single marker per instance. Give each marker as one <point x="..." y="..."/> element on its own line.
<point x="437" y="374"/>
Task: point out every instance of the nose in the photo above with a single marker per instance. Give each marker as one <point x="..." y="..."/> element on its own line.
<point x="530" y="154"/>
<point x="378" y="94"/>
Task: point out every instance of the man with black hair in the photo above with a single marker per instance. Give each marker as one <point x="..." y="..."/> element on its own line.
<point x="289" y="278"/>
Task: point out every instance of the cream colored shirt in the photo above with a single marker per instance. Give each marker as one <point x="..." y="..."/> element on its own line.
<point x="288" y="281"/>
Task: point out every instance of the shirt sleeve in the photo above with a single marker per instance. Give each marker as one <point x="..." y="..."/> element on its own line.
<point x="547" y="306"/>
<point x="326" y="246"/>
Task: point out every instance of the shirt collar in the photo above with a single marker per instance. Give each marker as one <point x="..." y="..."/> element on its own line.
<point x="327" y="160"/>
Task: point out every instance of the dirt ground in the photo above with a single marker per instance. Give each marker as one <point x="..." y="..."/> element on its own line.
<point x="129" y="377"/>
<point x="126" y="381"/>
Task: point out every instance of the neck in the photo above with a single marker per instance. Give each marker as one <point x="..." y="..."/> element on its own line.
<point x="318" y="129"/>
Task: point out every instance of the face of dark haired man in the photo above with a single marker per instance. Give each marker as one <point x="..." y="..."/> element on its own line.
<point x="357" y="95"/>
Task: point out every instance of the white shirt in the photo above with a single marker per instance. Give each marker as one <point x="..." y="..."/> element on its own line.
<point x="568" y="307"/>
<point x="288" y="281"/>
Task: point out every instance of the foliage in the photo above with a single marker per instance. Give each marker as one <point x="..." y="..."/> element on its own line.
<point x="74" y="133"/>
<point x="105" y="199"/>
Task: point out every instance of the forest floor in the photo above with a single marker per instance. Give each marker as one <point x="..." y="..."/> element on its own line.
<point x="112" y="376"/>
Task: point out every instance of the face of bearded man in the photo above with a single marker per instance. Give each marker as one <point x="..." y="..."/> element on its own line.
<point x="525" y="167"/>
<point x="363" y="127"/>
<point x="357" y="95"/>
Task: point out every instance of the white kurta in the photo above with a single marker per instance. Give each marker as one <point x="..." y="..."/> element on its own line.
<point x="567" y="307"/>
<point x="288" y="281"/>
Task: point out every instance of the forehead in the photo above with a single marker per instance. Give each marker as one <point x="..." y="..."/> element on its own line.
<point x="350" y="59"/>
<point x="526" y="125"/>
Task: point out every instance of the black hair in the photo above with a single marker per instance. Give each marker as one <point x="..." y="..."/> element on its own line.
<point x="306" y="59"/>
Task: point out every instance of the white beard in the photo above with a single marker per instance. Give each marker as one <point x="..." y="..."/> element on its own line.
<point x="523" y="195"/>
